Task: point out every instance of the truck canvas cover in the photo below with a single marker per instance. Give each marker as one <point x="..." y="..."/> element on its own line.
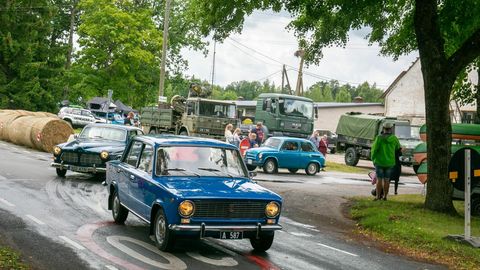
<point x="359" y="125"/>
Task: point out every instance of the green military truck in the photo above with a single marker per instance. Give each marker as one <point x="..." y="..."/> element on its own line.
<point x="285" y="115"/>
<point x="193" y="116"/>
<point x="356" y="133"/>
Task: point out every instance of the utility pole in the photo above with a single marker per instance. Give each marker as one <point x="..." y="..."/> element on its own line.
<point x="299" y="90"/>
<point x="161" y="98"/>
<point x="213" y="64"/>
<point x="285" y="76"/>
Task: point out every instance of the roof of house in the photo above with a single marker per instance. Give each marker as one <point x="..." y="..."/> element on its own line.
<point x="399" y="77"/>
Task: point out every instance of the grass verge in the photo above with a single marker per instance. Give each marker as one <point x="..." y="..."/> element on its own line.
<point x="404" y="225"/>
<point x="333" y="166"/>
<point x="10" y="259"/>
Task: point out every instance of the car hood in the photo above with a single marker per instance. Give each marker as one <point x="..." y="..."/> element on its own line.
<point x="262" y="149"/>
<point x="96" y="145"/>
<point x="218" y="188"/>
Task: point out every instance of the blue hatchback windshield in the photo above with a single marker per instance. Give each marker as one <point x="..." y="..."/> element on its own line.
<point x="272" y="143"/>
<point x="199" y="161"/>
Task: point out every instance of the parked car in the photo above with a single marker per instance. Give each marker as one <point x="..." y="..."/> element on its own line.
<point x="92" y="148"/>
<point x="331" y="138"/>
<point x="113" y="118"/>
<point x="191" y="187"/>
<point x="285" y="152"/>
<point x="77" y="117"/>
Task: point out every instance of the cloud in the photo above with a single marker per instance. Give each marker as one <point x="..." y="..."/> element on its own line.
<point x="264" y="45"/>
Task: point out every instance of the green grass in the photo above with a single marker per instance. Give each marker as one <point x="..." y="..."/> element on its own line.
<point x="338" y="167"/>
<point x="405" y="224"/>
<point x="77" y="130"/>
<point x="10" y="259"/>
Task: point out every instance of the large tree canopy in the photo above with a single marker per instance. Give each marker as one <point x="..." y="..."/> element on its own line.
<point x="446" y="34"/>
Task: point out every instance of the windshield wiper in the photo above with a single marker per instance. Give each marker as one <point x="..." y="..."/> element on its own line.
<point x="181" y="170"/>
<point x="215" y="170"/>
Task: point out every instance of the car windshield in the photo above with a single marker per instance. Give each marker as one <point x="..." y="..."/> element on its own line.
<point x="199" y="161"/>
<point x="106" y="133"/>
<point x="294" y="107"/>
<point x="272" y="143"/>
<point x="217" y="109"/>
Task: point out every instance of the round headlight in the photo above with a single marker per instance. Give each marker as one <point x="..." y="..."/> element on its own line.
<point x="57" y="150"/>
<point x="272" y="209"/>
<point x="186" y="209"/>
<point x="104" y="155"/>
<point x="260" y="156"/>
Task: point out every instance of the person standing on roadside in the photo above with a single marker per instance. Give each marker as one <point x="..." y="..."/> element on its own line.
<point x="229" y="134"/>
<point x="323" y="145"/>
<point x="259" y="132"/>
<point x="236" y="137"/>
<point x="314" y="138"/>
<point x="383" y="157"/>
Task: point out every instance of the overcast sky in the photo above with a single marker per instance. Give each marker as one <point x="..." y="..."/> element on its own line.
<point x="257" y="53"/>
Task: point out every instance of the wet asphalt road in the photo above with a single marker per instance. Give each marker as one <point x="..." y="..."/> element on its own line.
<point x="64" y="224"/>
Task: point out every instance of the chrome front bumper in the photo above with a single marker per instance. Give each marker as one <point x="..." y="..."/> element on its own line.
<point x="202" y="228"/>
<point x="82" y="169"/>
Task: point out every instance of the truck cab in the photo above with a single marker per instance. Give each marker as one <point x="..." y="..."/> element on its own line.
<point x="285" y="115"/>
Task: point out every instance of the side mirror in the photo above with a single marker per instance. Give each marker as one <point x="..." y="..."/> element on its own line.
<point x="252" y="174"/>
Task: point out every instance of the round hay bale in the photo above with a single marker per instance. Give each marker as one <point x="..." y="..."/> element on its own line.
<point x="5" y="124"/>
<point x="38" y="114"/>
<point x="46" y="132"/>
<point x="19" y="130"/>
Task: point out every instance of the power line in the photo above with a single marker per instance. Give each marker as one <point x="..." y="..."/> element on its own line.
<point x="253" y="56"/>
<point x="268" y="76"/>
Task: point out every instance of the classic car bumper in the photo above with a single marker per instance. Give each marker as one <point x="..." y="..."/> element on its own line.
<point x="202" y="228"/>
<point x="253" y="162"/>
<point x="83" y="169"/>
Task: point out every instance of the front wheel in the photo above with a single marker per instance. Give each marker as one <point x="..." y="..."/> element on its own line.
<point x="251" y="167"/>
<point x="61" y="172"/>
<point x="270" y="166"/>
<point x="312" y="168"/>
<point x="351" y="157"/>
<point x="119" y="212"/>
<point x="263" y="243"/>
<point x="164" y="237"/>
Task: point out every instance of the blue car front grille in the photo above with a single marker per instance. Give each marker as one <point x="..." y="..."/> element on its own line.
<point x="229" y="209"/>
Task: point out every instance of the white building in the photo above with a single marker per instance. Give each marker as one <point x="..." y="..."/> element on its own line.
<point x="329" y="112"/>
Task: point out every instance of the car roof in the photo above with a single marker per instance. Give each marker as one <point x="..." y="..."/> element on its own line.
<point x="291" y="139"/>
<point x="113" y="126"/>
<point x="177" y="140"/>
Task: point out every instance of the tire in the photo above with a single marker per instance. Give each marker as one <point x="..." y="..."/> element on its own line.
<point x="119" y="212"/>
<point x="263" y="243"/>
<point x="351" y="157"/>
<point x="251" y="167"/>
<point x="61" y="172"/>
<point x="270" y="166"/>
<point x="164" y="237"/>
<point x="415" y="168"/>
<point x="475" y="206"/>
<point x="292" y="170"/>
<point x="69" y="122"/>
<point x="312" y="168"/>
<point x="333" y="151"/>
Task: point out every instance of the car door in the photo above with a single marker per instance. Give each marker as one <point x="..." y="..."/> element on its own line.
<point x="143" y="179"/>
<point x="288" y="155"/>
<point x="307" y="154"/>
<point x="128" y="175"/>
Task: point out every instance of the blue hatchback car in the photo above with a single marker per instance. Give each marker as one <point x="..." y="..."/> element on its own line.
<point x="285" y="152"/>
<point x="191" y="187"/>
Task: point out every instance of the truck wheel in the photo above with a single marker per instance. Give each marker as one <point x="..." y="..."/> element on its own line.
<point x="270" y="166"/>
<point x="475" y="206"/>
<point x="351" y="157"/>
<point x="61" y="172"/>
<point x="333" y="151"/>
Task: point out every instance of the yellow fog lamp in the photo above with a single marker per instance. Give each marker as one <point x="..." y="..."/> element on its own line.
<point x="57" y="151"/>
<point x="186" y="209"/>
<point x="272" y="209"/>
<point x="104" y="155"/>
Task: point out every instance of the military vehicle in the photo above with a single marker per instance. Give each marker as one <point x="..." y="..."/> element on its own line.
<point x="192" y="116"/>
<point x="285" y="115"/>
<point x="356" y="133"/>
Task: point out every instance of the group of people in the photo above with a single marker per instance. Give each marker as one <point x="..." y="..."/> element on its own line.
<point x="256" y="135"/>
<point x="321" y="142"/>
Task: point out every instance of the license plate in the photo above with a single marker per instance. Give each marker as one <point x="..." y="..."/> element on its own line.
<point x="231" y="235"/>
<point x="79" y="169"/>
<point x="249" y="161"/>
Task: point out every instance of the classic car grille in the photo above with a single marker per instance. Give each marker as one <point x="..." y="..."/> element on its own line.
<point x="90" y="159"/>
<point x="229" y="209"/>
<point x="250" y="155"/>
<point x="69" y="157"/>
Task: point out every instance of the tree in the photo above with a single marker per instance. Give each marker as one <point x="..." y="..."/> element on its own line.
<point x="465" y="92"/>
<point x="446" y="34"/>
<point x="343" y="95"/>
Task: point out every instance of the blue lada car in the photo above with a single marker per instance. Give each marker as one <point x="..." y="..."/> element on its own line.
<point x="90" y="151"/>
<point x="191" y="187"/>
<point x="285" y="152"/>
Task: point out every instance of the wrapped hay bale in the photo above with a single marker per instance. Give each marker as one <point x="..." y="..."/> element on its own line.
<point x="19" y="130"/>
<point x="6" y="120"/>
<point x="46" y="132"/>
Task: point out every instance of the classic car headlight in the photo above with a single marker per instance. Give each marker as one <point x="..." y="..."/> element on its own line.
<point x="186" y="209"/>
<point x="104" y="155"/>
<point x="260" y="156"/>
<point x="272" y="209"/>
<point x="57" y="150"/>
